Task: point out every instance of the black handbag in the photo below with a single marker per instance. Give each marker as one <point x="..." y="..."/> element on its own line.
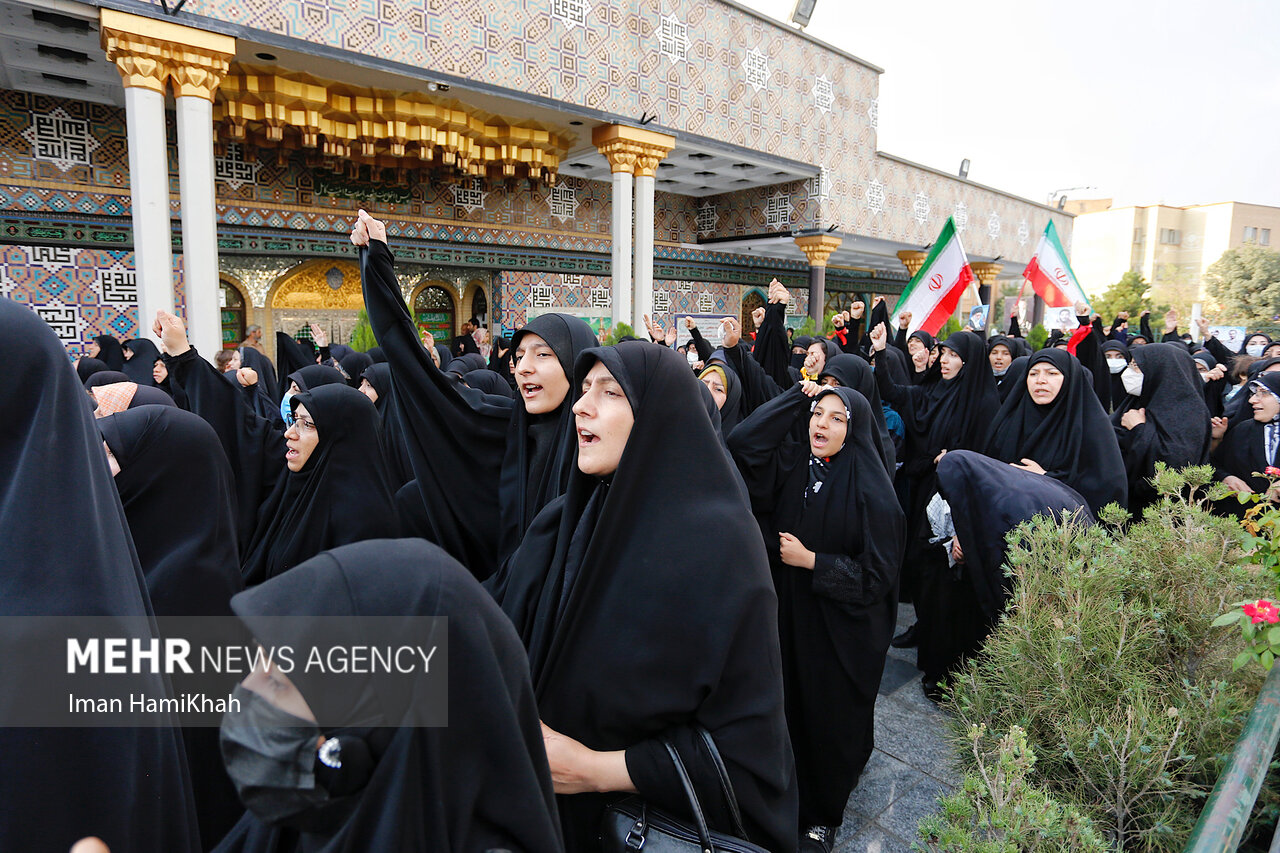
<point x="631" y="824"/>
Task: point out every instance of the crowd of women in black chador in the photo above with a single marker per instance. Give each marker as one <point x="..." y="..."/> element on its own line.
<point x="641" y="550"/>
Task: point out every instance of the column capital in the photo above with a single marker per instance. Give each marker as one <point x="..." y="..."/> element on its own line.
<point x="632" y="149"/>
<point x="912" y="259"/>
<point x="818" y="247"/>
<point x="986" y="271"/>
<point x="149" y="52"/>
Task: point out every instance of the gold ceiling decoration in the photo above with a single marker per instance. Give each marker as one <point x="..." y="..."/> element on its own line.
<point x="400" y="130"/>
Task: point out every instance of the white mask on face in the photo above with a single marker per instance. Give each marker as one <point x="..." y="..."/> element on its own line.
<point x="1132" y="380"/>
<point x="692" y="356"/>
<point x="1255" y="350"/>
<point x="1115" y="365"/>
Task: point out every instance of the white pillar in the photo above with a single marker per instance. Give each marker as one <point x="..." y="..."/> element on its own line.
<point x="644" y="245"/>
<point x="622" y="188"/>
<point x="149" y="192"/>
<point x="199" y="226"/>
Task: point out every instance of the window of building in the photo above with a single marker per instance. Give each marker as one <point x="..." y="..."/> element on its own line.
<point x="1137" y="236"/>
<point x="1170" y="236"/>
<point x="1250" y="234"/>
<point x="1264" y="236"/>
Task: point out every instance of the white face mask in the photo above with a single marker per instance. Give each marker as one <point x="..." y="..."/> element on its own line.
<point x="1132" y="380"/>
<point x="1255" y="350"/>
<point x="1115" y="365"/>
<point x="692" y="357"/>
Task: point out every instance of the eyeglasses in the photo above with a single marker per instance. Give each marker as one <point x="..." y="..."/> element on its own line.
<point x="303" y="424"/>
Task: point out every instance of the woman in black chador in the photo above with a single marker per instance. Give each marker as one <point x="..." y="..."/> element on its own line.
<point x="1052" y="423"/>
<point x="319" y="484"/>
<point x="648" y="611"/>
<point x="835" y="537"/>
<point x="1162" y="418"/>
<point x="128" y="786"/>
<point x="513" y="456"/>
<point x="338" y="763"/>
<point x="175" y="484"/>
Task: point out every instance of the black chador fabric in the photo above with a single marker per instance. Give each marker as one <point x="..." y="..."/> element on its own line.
<point x="354" y="364"/>
<point x="110" y="352"/>
<point x="127" y="786"/>
<point x="1177" y="431"/>
<point x="455" y="437"/>
<point x="446" y="357"/>
<point x="481" y="783"/>
<point x="797" y="358"/>
<point x="378" y="356"/>
<point x="1001" y="341"/>
<point x="1070" y="437"/>
<point x="254" y="358"/>
<point x="500" y="360"/>
<point x="291" y="357"/>
<point x="852" y="371"/>
<point x="902" y="342"/>
<point x="541" y="449"/>
<point x="464" y="345"/>
<point x="488" y="382"/>
<point x="466" y="363"/>
<point x="987" y="498"/>
<point x="1243" y="450"/>
<point x="143" y="360"/>
<point x="899" y="366"/>
<point x="772" y="350"/>
<point x="731" y="413"/>
<point x="176" y="487"/>
<point x="175" y="484"/>
<point x="86" y="367"/>
<point x="254" y="445"/>
<point x="1214" y="387"/>
<point x="341" y="495"/>
<point x="394" y="444"/>
<point x="609" y="619"/>
<point x="1116" y="385"/>
<point x="835" y="620"/>
<point x="314" y="376"/>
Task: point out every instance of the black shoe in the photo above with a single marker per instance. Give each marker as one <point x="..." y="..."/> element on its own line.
<point x="908" y="638"/>
<point x="818" y="839"/>
<point x="933" y="691"/>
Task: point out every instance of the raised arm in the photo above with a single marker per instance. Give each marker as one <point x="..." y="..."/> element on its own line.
<point x="452" y="437"/>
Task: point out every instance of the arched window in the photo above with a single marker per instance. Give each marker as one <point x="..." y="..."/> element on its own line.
<point x="232" y="313"/>
<point x="433" y="312"/>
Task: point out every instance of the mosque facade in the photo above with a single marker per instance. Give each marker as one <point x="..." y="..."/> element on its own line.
<point x="604" y="158"/>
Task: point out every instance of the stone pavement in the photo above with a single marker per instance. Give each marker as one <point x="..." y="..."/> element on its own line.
<point x="911" y="767"/>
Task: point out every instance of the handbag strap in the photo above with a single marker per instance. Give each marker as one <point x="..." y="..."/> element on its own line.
<point x="726" y="786"/>
<point x="699" y="818"/>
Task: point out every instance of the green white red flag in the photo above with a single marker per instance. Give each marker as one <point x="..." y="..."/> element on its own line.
<point x="1049" y="273"/>
<point x="935" y="290"/>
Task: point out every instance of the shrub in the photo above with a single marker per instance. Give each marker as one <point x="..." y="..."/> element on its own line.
<point x="1037" y="337"/>
<point x="998" y="809"/>
<point x="1107" y="659"/>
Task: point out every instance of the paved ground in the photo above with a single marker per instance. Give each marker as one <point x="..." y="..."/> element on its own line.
<point x="911" y="767"/>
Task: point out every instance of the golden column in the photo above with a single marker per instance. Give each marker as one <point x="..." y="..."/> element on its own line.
<point x="986" y="272"/>
<point x="912" y="260"/>
<point x="633" y="154"/>
<point x="818" y="248"/>
<point x="149" y="55"/>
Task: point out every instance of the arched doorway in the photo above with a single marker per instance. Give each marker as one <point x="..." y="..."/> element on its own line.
<point x="231" y="311"/>
<point x="435" y="310"/>
<point x="751" y="300"/>
<point x="323" y="292"/>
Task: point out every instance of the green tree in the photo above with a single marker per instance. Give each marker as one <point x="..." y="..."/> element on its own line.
<point x="362" y="339"/>
<point x="1246" y="283"/>
<point x="1131" y="293"/>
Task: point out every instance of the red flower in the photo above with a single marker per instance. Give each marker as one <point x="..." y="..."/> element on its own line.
<point x="1272" y="471"/>
<point x="1261" y="611"/>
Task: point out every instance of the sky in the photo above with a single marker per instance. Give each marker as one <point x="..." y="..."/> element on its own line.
<point x="1174" y="102"/>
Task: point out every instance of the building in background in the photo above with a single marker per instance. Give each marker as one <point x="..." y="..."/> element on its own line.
<point x="1171" y="247"/>
<point x="210" y="156"/>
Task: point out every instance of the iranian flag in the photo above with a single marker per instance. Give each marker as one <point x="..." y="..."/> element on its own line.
<point x="1050" y="274"/>
<point x="934" y="291"/>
